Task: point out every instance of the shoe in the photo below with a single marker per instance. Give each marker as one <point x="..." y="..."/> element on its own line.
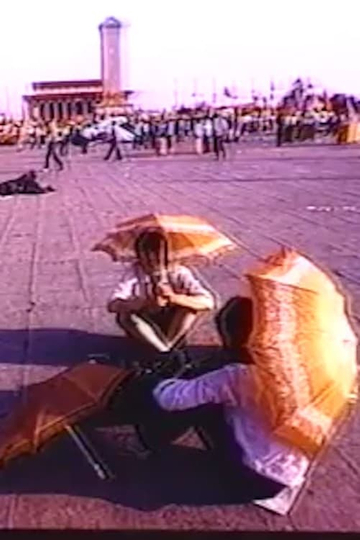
<point x="172" y="364"/>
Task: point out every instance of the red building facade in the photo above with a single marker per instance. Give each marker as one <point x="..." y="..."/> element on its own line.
<point x="64" y="100"/>
<point x="67" y="100"/>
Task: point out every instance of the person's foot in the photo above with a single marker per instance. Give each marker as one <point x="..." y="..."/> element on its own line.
<point x="172" y="363"/>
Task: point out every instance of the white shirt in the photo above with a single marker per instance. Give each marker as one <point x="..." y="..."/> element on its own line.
<point x="221" y="126"/>
<point x="198" y="130"/>
<point x="136" y="284"/>
<point x="87" y="132"/>
<point x="232" y="387"/>
<point x="208" y="128"/>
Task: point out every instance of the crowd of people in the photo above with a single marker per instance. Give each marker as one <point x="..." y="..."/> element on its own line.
<point x="205" y="130"/>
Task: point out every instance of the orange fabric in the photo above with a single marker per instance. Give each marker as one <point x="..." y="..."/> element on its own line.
<point x="51" y="405"/>
<point x="188" y="237"/>
<point x="304" y="349"/>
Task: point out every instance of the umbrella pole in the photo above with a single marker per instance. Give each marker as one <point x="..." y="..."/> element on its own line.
<point x="89" y="452"/>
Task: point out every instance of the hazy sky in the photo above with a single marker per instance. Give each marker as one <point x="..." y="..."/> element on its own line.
<point x="236" y="42"/>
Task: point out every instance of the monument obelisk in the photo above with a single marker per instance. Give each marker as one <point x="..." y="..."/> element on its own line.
<point x="110" y="48"/>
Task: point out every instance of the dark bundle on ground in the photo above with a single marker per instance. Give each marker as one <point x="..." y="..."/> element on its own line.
<point x="25" y="184"/>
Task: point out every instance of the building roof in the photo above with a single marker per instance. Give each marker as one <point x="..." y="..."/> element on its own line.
<point x="53" y="96"/>
<point x="47" y="85"/>
<point x="63" y="95"/>
<point x="110" y="22"/>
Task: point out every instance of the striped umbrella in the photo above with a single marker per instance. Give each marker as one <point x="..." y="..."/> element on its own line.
<point x="55" y="406"/>
<point x="188" y="237"/>
<point x="304" y="349"/>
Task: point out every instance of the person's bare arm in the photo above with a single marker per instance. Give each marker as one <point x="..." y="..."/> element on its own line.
<point x="197" y="302"/>
<point x="118" y="305"/>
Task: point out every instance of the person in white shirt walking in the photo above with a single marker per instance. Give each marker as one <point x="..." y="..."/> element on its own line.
<point x="220" y="131"/>
<point x="199" y="135"/>
<point x="208" y="134"/>
<point x="114" y="144"/>
<point x="51" y="152"/>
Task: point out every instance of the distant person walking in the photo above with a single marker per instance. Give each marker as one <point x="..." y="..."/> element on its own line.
<point x="199" y="135"/>
<point x="51" y="151"/>
<point x="113" y="144"/>
<point x="65" y="141"/>
<point x="279" y="128"/>
<point x="208" y="134"/>
<point x="220" y="132"/>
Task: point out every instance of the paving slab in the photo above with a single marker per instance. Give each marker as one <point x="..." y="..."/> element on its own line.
<point x="53" y="290"/>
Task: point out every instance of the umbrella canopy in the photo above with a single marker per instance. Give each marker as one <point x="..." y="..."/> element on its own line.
<point x="51" y="406"/>
<point x="303" y="347"/>
<point x="188" y="237"/>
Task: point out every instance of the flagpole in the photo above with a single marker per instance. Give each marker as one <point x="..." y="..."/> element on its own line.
<point x="214" y="91"/>
<point x="176" y="93"/>
<point x="195" y="89"/>
<point x="7" y="101"/>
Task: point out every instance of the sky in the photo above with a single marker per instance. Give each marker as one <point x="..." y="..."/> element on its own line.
<point x="171" y="47"/>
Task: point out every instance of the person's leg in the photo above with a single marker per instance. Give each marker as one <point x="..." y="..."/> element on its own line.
<point x="179" y="324"/>
<point x="118" y="153"/>
<point x="223" y="148"/>
<point x="216" y="147"/>
<point x="110" y="151"/>
<point x="57" y="160"/>
<point x="142" y="330"/>
<point x="48" y="155"/>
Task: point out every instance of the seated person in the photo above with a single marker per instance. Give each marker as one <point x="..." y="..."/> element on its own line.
<point x="157" y="302"/>
<point x="219" y="405"/>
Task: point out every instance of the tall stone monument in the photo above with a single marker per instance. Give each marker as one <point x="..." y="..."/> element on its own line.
<point x="110" y="55"/>
<point x="114" y="97"/>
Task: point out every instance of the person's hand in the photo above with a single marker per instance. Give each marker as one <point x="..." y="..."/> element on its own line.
<point x="155" y="302"/>
<point x="165" y="291"/>
<point x="160" y="301"/>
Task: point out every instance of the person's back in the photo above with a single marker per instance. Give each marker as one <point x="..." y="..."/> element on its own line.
<point x="233" y="388"/>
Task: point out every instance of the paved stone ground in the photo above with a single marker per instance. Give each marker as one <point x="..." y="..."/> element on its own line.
<point x="53" y="290"/>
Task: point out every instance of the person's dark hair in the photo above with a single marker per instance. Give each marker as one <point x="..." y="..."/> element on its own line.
<point x="152" y="241"/>
<point x="234" y="323"/>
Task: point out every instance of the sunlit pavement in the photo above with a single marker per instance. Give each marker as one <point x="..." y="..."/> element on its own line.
<point x="53" y="290"/>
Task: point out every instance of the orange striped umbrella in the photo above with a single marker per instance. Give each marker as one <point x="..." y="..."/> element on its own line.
<point x="52" y="406"/>
<point x="304" y="349"/>
<point x="188" y="237"/>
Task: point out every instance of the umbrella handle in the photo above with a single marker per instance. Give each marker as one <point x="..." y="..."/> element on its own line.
<point x="89" y="452"/>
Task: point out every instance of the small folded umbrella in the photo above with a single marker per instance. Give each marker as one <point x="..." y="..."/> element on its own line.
<point x="188" y="237"/>
<point x="304" y="350"/>
<point x="56" y="405"/>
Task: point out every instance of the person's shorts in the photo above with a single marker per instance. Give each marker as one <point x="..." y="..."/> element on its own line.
<point x="161" y="317"/>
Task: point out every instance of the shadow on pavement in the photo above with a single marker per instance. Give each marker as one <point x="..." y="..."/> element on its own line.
<point x="182" y="476"/>
<point x="62" y="346"/>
